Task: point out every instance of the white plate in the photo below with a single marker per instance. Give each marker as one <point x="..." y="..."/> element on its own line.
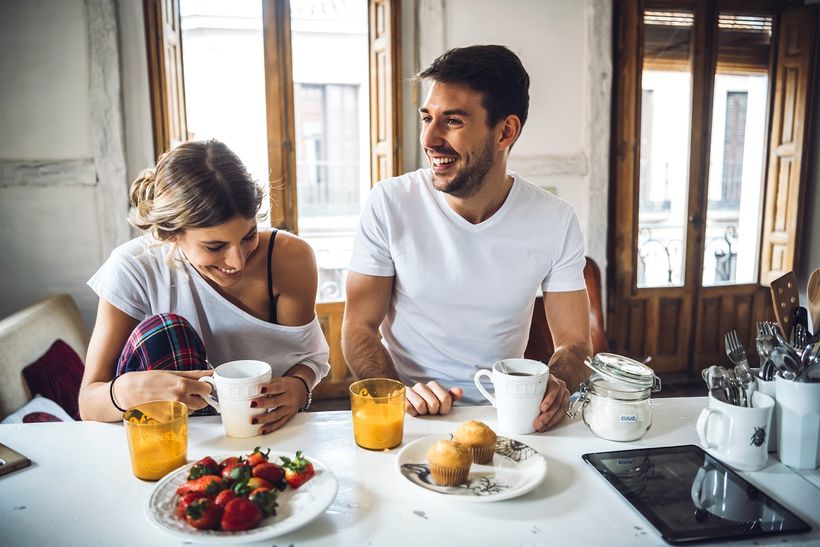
<point x="515" y="470"/>
<point x="296" y="507"/>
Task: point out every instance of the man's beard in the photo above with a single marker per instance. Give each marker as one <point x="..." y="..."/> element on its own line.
<point x="470" y="179"/>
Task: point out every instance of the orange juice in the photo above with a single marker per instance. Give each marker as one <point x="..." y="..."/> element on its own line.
<point x="157" y="435"/>
<point x="377" y="407"/>
<point x="378" y="426"/>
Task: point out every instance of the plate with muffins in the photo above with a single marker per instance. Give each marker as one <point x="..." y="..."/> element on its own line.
<point x="473" y="464"/>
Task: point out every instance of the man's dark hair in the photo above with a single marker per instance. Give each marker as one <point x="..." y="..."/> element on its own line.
<point x="494" y="71"/>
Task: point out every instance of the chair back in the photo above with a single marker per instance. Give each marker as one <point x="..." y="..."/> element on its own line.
<point x="26" y="335"/>
<point x="540" y="347"/>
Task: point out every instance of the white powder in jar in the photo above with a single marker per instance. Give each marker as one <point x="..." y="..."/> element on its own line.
<point x="614" y="419"/>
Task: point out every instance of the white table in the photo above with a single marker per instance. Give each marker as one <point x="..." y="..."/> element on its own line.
<point x="80" y="490"/>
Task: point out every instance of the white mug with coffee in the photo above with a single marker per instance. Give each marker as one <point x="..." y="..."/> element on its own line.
<point x="519" y="385"/>
<point x="236" y="383"/>
<point x="737" y="435"/>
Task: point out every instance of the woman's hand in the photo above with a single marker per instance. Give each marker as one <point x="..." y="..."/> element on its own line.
<point x="163" y="385"/>
<point x="284" y="396"/>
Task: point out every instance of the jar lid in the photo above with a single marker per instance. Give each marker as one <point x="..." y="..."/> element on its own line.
<point x="623" y="370"/>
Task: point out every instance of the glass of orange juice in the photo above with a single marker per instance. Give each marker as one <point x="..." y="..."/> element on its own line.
<point x="157" y="434"/>
<point x="377" y="406"/>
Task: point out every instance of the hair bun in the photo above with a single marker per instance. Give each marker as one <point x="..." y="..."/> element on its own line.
<point x="142" y="189"/>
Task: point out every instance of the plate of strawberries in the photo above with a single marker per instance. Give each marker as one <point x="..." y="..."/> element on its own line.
<point x="244" y="498"/>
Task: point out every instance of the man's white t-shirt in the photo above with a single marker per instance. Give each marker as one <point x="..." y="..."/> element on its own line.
<point x="137" y="280"/>
<point x="463" y="293"/>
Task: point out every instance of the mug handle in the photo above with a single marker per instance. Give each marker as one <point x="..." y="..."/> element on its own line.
<point x="477" y="380"/>
<point x="209" y="398"/>
<point x="703" y="426"/>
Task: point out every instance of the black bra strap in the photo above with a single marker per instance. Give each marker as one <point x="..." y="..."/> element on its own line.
<point x="272" y="297"/>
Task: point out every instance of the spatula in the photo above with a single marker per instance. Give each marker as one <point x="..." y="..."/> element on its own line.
<point x="785" y="300"/>
<point x="813" y="293"/>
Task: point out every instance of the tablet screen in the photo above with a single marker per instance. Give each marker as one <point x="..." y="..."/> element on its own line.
<point x="690" y="496"/>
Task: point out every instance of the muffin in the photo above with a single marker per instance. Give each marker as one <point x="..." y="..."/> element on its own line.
<point x="449" y="463"/>
<point x="479" y="438"/>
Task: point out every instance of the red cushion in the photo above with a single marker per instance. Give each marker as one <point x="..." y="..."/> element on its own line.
<point x="57" y="376"/>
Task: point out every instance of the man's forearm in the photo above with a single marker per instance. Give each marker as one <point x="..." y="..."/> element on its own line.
<point x="365" y="355"/>
<point x="567" y="363"/>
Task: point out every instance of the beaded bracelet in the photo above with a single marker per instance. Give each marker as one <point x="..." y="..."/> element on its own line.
<point x="111" y="394"/>
<point x="309" y="392"/>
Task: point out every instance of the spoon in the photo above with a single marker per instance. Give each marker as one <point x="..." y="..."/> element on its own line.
<point x="782" y="356"/>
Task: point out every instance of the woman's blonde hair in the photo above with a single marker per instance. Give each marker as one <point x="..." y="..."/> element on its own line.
<point x="198" y="184"/>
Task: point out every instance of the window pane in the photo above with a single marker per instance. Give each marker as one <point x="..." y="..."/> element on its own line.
<point x="224" y="73"/>
<point x="331" y="100"/>
<point x="737" y="155"/>
<point x="666" y="111"/>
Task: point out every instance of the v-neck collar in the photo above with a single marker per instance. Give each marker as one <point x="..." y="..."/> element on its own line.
<point x="463" y="222"/>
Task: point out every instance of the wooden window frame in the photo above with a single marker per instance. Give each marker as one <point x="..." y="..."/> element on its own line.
<point x="166" y="85"/>
<point x="164" y="48"/>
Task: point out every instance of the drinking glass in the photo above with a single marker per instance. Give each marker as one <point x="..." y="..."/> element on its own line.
<point x="377" y="406"/>
<point x="157" y="433"/>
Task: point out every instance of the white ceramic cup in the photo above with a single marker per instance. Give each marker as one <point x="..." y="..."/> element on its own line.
<point x="714" y="490"/>
<point x="798" y="423"/>
<point x="236" y="383"/>
<point x="737" y="435"/>
<point x="767" y="388"/>
<point x="518" y="392"/>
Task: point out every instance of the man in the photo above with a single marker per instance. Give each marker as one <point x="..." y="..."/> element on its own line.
<point x="448" y="260"/>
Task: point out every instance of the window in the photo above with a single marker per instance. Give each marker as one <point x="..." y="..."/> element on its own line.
<point x="711" y="108"/>
<point x="304" y="91"/>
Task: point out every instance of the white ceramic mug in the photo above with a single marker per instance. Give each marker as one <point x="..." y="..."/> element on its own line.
<point x="717" y="492"/>
<point x="798" y="423"/>
<point x="737" y="435"/>
<point x="236" y="383"/>
<point x="519" y="385"/>
<point x="767" y="387"/>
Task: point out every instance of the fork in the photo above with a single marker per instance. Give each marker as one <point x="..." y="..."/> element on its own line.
<point x="737" y="354"/>
<point x="735" y="350"/>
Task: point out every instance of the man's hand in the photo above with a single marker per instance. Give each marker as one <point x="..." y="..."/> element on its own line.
<point x="430" y="398"/>
<point x="553" y="405"/>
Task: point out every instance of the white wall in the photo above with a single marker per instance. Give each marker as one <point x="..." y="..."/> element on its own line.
<point x="55" y="236"/>
<point x="564" y="144"/>
<point x="139" y="143"/>
<point x="50" y="233"/>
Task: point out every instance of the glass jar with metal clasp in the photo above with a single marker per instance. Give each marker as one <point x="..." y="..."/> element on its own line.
<point x="614" y="401"/>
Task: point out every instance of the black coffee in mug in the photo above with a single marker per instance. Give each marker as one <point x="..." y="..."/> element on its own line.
<point x="520" y="374"/>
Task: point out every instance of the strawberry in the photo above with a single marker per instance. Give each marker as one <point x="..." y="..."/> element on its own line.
<point x="241" y="514"/>
<point x="265" y="498"/>
<point x="228" y="461"/>
<point x="298" y="471"/>
<point x="186" y="500"/>
<point x="203" y="514"/>
<point x="271" y="473"/>
<point x="205" y="466"/>
<point x="245" y="487"/>
<point x="224" y="497"/>
<point x="209" y="484"/>
<point x="236" y="472"/>
<point x="257" y="456"/>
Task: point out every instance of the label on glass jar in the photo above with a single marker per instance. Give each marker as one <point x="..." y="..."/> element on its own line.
<point x="630" y="418"/>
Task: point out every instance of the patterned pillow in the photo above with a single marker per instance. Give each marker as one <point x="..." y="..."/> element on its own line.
<point x="37" y="410"/>
<point x="57" y="376"/>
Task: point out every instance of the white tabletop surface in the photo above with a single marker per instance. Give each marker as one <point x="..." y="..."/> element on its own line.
<point x="80" y="490"/>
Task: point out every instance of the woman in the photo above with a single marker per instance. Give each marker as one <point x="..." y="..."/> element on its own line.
<point x="202" y="279"/>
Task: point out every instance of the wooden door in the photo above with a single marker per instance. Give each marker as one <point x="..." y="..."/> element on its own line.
<point x="747" y="85"/>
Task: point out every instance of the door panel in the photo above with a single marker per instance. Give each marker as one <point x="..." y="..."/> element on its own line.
<point x="789" y="138"/>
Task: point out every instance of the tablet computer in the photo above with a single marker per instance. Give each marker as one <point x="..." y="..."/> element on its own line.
<point x="688" y="495"/>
